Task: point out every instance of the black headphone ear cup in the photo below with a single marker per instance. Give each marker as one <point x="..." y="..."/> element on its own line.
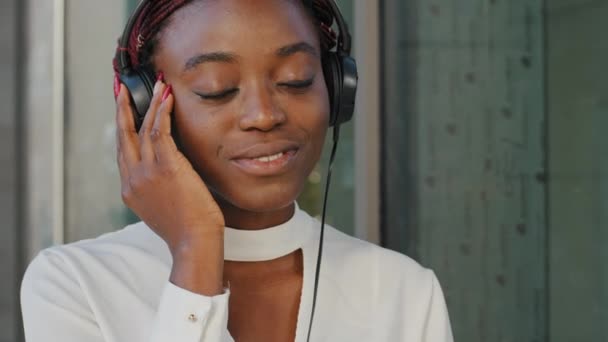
<point x="340" y="73"/>
<point x="348" y="89"/>
<point x="140" y="83"/>
<point x="333" y="79"/>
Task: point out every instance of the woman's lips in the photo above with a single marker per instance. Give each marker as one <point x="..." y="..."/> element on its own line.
<point x="263" y="149"/>
<point x="267" y="165"/>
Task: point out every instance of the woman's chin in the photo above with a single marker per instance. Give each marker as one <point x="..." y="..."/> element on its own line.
<point x="257" y="201"/>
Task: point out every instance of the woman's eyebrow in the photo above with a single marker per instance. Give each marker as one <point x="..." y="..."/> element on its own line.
<point x="221" y="57"/>
<point x="228" y="57"/>
<point x="291" y="49"/>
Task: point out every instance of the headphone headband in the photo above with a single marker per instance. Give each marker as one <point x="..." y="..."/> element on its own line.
<point x="122" y="53"/>
<point x="344" y="39"/>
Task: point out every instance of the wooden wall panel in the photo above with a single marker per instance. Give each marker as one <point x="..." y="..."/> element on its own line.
<point x="465" y="97"/>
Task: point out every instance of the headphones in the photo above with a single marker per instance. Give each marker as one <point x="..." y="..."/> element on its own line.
<point x="339" y="70"/>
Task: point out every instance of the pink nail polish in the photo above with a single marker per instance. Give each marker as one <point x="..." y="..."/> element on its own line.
<point x="160" y="77"/>
<point x="166" y="93"/>
<point x="116" y="86"/>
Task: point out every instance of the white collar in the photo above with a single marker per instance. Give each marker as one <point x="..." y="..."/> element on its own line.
<point x="269" y="243"/>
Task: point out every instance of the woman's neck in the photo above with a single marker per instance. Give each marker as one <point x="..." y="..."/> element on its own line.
<point x="239" y="218"/>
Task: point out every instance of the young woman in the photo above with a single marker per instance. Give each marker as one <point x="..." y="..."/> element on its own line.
<point x="236" y="123"/>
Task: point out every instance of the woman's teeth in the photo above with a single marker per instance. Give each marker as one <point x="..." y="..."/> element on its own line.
<point x="268" y="159"/>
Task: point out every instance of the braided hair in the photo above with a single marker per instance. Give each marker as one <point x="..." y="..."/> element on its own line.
<point x="154" y="17"/>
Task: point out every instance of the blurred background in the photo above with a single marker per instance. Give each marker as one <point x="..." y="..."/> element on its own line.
<point x="476" y="149"/>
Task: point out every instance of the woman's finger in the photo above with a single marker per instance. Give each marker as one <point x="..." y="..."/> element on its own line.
<point x="146" y="149"/>
<point x="123" y="169"/>
<point x="162" y="122"/>
<point x="127" y="141"/>
<point x="164" y="146"/>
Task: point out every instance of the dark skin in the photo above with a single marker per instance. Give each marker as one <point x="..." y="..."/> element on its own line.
<point x="265" y="298"/>
<point x="242" y="86"/>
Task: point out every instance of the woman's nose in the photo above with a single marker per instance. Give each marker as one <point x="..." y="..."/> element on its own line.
<point x="260" y="111"/>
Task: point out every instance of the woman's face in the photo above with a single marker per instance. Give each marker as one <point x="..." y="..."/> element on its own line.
<point x="251" y="104"/>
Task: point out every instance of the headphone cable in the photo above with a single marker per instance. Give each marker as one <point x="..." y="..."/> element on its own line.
<point x="336" y="136"/>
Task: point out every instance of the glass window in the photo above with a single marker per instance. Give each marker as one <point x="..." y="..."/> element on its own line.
<point x="93" y="203"/>
<point x="341" y="195"/>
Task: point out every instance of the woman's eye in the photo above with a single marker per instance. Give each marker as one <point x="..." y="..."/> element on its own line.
<point x="220" y="95"/>
<point x="299" y="84"/>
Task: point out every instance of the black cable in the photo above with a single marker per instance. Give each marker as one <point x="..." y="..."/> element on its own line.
<point x="327" y="181"/>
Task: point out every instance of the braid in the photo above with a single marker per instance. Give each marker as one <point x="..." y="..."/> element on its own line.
<point x="322" y="12"/>
<point x="153" y="18"/>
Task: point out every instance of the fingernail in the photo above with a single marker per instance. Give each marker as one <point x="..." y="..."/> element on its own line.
<point x="160" y="76"/>
<point x="167" y="92"/>
<point x="116" y="86"/>
<point x="157" y="87"/>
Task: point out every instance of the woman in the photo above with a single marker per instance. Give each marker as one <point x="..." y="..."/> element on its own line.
<point x="236" y="123"/>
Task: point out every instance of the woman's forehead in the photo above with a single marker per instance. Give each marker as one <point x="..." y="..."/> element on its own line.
<point x="238" y="27"/>
<point x="227" y="18"/>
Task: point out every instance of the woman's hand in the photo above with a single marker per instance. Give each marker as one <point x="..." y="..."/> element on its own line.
<point x="160" y="185"/>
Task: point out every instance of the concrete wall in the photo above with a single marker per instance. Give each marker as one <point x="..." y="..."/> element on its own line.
<point x="464" y="173"/>
<point x="502" y="186"/>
